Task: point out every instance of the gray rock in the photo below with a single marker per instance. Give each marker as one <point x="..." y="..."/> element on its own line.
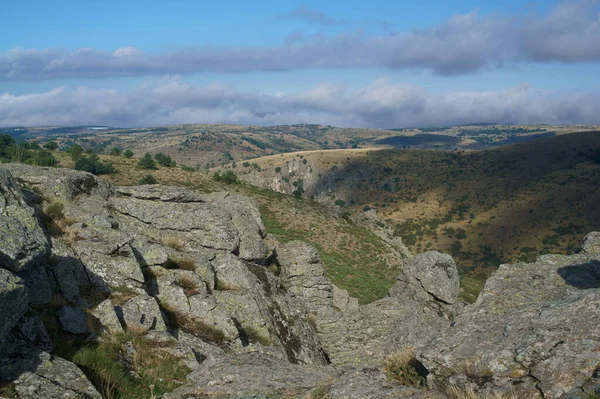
<point x="142" y="314"/>
<point x="437" y="274"/>
<point x="252" y="375"/>
<point x="64" y="184"/>
<point x="73" y="320"/>
<point x="55" y="378"/>
<point x="22" y="240"/>
<point x="34" y="333"/>
<point x="13" y="302"/>
<point x="154" y="192"/>
<point x="107" y="317"/>
<point x="591" y="243"/>
<point x="533" y="329"/>
<point x="37" y="282"/>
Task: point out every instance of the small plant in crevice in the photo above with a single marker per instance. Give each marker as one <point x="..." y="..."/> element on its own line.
<point x="402" y="367"/>
<point x="172" y="242"/>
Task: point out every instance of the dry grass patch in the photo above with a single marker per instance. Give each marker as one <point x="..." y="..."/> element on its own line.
<point x="172" y="242"/>
<point x="402" y="367"/>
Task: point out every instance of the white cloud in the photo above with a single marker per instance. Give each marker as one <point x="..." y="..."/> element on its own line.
<point x="171" y="100"/>
<point x="569" y="33"/>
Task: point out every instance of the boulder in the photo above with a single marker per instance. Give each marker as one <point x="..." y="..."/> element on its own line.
<point x="23" y="243"/>
<point x="64" y="184"/>
<point x="534" y="329"/>
<point x="591" y="243"/>
<point x="107" y="317"/>
<point x="252" y="374"/>
<point x="142" y="314"/>
<point x="73" y="320"/>
<point x="436" y="273"/>
<point x="55" y="378"/>
<point x="13" y="302"/>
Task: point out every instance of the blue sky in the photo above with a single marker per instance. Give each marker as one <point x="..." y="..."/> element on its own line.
<point x="291" y="62"/>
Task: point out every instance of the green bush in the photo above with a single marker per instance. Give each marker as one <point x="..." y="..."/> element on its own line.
<point x="228" y="177"/>
<point x="165" y="160"/>
<point x="51" y="145"/>
<point x="277" y="169"/>
<point x="75" y="151"/>
<point x="128" y="153"/>
<point x="116" y="151"/>
<point x="92" y="164"/>
<point x="148" y="179"/>
<point x="146" y="162"/>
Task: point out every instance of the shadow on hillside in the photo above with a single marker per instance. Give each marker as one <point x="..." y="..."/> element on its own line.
<point x="583" y="276"/>
<point x="544" y="191"/>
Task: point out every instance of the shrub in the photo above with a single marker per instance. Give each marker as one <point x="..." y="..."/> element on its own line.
<point x="277" y="169"/>
<point x="51" y="145"/>
<point x="401" y="367"/>
<point x="128" y="153"/>
<point x="116" y="151"/>
<point x="228" y="177"/>
<point x="92" y="164"/>
<point x="165" y="160"/>
<point x="340" y="203"/>
<point x="148" y="179"/>
<point x="75" y="151"/>
<point x="146" y="162"/>
<point x="172" y="242"/>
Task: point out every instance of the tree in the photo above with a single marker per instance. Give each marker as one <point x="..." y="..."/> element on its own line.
<point x="75" y="150"/>
<point x="128" y="153"/>
<point x="116" y="151"/>
<point x="228" y="177"/>
<point x="165" y="160"/>
<point x="147" y="162"/>
<point x="93" y="165"/>
<point x="51" y="145"/>
<point x="148" y="179"/>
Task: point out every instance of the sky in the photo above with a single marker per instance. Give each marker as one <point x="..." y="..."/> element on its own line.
<point x="381" y="64"/>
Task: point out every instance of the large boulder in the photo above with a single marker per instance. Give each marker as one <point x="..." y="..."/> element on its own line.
<point x="13" y="302"/>
<point x="534" y="329"/>
<point x="55" y="378"/>
<point x="22" y="240"/>
<point x="63" y="184"/>
<point x="436" y="273"/>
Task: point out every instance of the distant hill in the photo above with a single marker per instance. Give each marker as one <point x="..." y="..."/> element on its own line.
<point x="206" y="146"/>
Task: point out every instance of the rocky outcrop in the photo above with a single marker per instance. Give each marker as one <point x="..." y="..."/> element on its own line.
<point x="22" y="240"/>
<point x="55" y="378"/>
<point x="534" y="330"/>
<point x="197" y="275"/>
<point x="13" y="302"/>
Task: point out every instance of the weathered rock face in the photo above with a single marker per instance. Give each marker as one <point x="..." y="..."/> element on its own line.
<point x="22" y="240"/>
<point x="436" y="273"/>
<point x="55" y="378"/>
<point x="534" y="329"/>
<point x="13" y="302"/>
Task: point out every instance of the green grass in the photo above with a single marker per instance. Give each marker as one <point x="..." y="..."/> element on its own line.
<point x="359" y="269"/>
<point x="158" y="371"/>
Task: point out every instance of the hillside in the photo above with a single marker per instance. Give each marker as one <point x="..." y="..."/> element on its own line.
<point x="487" y="207"/>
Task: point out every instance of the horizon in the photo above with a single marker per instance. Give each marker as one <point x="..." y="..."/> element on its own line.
<point x="346" y="64"/>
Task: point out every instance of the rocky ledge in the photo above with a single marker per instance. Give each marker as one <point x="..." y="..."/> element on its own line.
<point x="197" y="276"/>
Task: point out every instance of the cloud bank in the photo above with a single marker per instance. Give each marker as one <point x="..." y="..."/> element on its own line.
<point x="569" y="33"/>
<point x="381" y="104"/>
